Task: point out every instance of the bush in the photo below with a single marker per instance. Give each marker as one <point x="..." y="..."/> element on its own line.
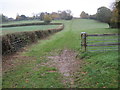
<point x="47" y="19"/>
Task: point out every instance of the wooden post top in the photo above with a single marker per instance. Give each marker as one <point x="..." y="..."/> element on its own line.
<point x="83" y="32"/>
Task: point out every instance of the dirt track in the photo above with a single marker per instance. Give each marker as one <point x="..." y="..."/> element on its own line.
<point x="67" y="64"/>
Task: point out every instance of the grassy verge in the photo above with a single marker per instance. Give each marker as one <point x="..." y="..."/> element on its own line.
<point x="99" y="69"/>
<point x="27" y="76"/>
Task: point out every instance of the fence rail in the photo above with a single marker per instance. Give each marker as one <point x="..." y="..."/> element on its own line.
<point x="105" y="44"/>
<point x="85" y="42"/>
<point x="103" y="34"/>
<point x="102" y="40"/>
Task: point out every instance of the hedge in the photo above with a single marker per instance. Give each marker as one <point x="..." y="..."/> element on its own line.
<point x="13" y="42"/>
<point x="29" y="24"/>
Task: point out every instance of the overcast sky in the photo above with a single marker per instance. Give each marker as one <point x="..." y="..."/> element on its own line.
<point x="11" y="8"/>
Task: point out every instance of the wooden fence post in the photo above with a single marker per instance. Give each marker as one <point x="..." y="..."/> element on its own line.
<point x="83" y="40"/>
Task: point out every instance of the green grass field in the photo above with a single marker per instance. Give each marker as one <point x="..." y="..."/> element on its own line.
<point x="98" y="69"/>
<point x="26" y="28"/>
<point x="21" y="22"/>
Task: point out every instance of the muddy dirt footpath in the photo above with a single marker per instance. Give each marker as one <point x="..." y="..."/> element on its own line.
<point x="67" y="65"/>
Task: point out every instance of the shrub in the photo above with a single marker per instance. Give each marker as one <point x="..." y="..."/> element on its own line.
<point x="47" y="19"/>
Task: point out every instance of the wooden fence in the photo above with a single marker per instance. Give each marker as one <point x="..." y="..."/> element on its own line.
<point x="96" y="42"/>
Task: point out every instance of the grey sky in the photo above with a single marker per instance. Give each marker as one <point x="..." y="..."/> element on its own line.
<point x="10" y="8"/>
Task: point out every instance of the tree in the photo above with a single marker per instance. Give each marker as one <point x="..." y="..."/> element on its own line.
<point x="17" y="17"/>
<point x="55" y="16"/>
<point x="118" y="8"/>
<point x="104" y="14"/>
<point x="66" y="15"/>
<point x="115" y="20"/>
<point x="63" y="15"/>
<point x="84" y="15"/>
<point x="11" y="19"/>
<point x="4" y="18"/>
<point x="42" y="16"/>
<point x="21" y="17"/>
<point x="92" y="16"/>
<point x="47" y="18"/>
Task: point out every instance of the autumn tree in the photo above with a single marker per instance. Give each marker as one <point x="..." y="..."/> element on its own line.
<point x="47" y="18"/>
<point x="55" y="16"/>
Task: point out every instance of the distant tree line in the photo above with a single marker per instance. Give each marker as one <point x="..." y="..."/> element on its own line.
<point x="5" y="18"/>
<point x="60" y="15"/>
<point x="43" y="16"/>
<point x="104" y="14"/>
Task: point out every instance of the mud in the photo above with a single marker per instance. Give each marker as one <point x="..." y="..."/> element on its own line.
<point x="67" y="65"/>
